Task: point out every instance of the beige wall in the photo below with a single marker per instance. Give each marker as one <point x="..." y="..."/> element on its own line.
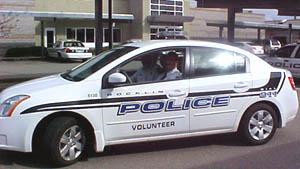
<point x="199" y="30"/>
<point x="16" y="28"/>
<point x="86" y="6"/>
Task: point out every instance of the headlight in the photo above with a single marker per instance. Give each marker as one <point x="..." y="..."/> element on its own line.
<point x="9" y="105"/>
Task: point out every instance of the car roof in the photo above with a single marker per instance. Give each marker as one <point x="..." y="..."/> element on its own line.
<point x="166" y="43"/>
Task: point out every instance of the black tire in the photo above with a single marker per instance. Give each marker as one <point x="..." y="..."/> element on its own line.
<point x="261" y="133"/>
<point x="53" y="136"/>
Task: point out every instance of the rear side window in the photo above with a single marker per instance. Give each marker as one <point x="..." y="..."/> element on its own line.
<point x="73" y="44"/>
<point x="284" y="52"/>
<point x="214" y="62"/>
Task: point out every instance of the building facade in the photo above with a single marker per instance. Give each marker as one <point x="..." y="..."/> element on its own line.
<point x="133" y="19"/>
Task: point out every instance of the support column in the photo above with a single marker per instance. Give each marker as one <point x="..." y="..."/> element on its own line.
<point x="99" y="26"/>
<point x="258" y="35"/>
<point x="290" y="32"/>
<point x="221" y="28"/>
<point x="230" y="24"/>
<point x="42" y="40"/>
<point x="110" y="29"/>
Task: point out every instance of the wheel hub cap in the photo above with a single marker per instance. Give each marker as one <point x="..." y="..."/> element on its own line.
<point x="71" y="143"/>
<point x="261" y="125"/>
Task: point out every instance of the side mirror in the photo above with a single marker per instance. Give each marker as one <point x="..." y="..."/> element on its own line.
<point x="117" y="78"/>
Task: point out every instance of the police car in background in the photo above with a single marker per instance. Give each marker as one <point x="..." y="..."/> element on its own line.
<point x="222" y="89"/>
<point x="287" y="57"/>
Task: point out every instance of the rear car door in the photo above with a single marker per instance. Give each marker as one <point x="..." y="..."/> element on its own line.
<point x="294" y="63"/>
<point x="219" y="78"/>
<point x="146" y="107"/>
<point x="282" y="57"/>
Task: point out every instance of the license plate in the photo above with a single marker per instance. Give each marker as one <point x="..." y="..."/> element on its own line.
<point x="79" y="50"/>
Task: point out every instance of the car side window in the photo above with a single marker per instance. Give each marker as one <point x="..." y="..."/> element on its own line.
<point x="213" y="62"/>
<point x="298" y="53"/>
<point x="284" y="52"/>
<point x="154" y="66"/>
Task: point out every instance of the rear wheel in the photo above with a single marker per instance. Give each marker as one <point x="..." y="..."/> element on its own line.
<point x="64" y="141"/>
<point x="258" y="124"/>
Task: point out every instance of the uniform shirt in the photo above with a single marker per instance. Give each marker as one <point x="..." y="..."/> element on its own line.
<point x="171" y="75"/>
<point x="145" y="75"/>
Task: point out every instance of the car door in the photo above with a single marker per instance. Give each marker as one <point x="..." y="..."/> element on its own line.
<point x="282" y="57"/>
<point x="146" y="107"/>
<point x="218" y="77"/>
<point x="293" y="63"/>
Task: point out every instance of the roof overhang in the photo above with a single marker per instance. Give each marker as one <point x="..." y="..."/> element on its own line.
<point x="254" y="25"/>
<point x="267" y="4"/>
<point x="48" y="16"/>
<point x="169" y="19"/>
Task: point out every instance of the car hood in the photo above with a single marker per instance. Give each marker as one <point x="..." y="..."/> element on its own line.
<point x="28" y="87"/>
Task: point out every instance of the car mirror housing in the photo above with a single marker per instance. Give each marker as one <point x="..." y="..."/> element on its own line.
<point x="117" y="78"/>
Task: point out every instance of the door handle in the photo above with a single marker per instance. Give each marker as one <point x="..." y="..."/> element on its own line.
<point x="177" y="93"/>
<point x="241" y="85"/>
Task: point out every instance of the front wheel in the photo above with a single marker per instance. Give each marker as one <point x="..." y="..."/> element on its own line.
<point x="258" y="124"/>
<point x="64" y="141"/>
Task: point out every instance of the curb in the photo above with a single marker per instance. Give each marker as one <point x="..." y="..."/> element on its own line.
<point x="20" y="58"/>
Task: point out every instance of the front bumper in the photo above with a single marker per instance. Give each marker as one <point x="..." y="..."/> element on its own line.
<point x="16" y="133"/>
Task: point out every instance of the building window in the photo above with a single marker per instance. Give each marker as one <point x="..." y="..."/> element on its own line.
<point x="155" y="30"/>
<point x="85" y="35"/>
<point x="90" y="35"/>
<point x="116" y="35"/>
<point x="80" y="35"/>
<point x="71" y="33"/>
<point x="166" y="7"/>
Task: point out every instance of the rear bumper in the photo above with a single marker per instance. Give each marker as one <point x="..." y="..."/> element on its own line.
<point x="78" y="55"/>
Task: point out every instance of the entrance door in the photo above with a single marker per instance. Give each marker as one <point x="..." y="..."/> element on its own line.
<point x="49" y="37"/>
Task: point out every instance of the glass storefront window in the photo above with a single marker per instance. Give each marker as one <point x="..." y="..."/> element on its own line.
<point x="90" y="35"/>
<point x="81" y="35"/>
<point x="166" y="7"/>
<point x="70" y="33"/>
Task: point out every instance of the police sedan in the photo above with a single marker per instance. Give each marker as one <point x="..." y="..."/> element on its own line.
<point x="287" y="57"/>
<point x="132" y="93"/>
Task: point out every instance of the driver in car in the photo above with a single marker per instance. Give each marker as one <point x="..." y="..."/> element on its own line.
<point x="170" y="63"/>
<point x="149" y="72"/>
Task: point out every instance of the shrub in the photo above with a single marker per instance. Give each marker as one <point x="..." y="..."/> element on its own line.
<point x="25" y="51"/>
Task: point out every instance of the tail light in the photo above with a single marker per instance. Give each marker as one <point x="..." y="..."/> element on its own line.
<point x="67" y="50"/>
<point x="292" y="83"/>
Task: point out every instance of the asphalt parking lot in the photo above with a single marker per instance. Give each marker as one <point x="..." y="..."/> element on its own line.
<point x="209" y="152"/>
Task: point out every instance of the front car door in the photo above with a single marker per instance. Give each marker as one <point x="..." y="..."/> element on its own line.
<point x="218" y="78"/>
<point x="149" y="103"/>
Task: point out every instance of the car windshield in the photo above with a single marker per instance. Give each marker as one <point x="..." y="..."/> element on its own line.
<point x="86" y="69"/>
<point x="73" y="44"/>
<point x="275" y="42"/>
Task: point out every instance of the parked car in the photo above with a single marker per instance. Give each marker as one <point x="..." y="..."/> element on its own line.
<point x="69" y="49"/>
<point x="256" y="48"/>
<point x="244" y="46"/>
<point x="271" y="45"/>
<point x="217" y="89"/>
<point x="287" y="57"/>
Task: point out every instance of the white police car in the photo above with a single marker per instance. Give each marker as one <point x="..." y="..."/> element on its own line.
<point x="287" y="57"/>
<point x="221" y="89"/>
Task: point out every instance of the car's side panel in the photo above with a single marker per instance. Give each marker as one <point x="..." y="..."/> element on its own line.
<point x="135" y="116"/>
